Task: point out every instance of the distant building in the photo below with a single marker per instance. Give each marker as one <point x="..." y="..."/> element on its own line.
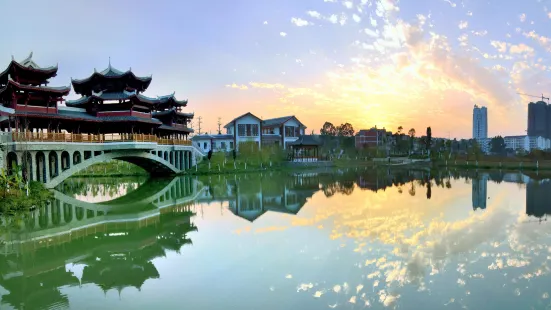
<point x="480" y="122"/>
<point x="281" y="130"/>
<point x="370" y="137"/>
<point x="526" y="143"/>
<point x="480" y="192"/>
<point x="485" y="145"/>
<point x="245" y="128"/>
<point x="216" y="143"/>
<point x="539" y="119"/>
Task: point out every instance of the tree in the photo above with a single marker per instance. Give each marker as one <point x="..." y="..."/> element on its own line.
<point x="345" y="130"/>
<point x="400" y="128"/>
<point x="428" y="140"/>
<point x="328" y="129"/>
<point x="497" y="145"/>
<point x="411" y="134"/>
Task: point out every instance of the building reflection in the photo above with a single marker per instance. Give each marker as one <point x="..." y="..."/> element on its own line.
<point x="251" y="196"/>
<point x="538" y="198"/>
<point x="480" y="191"/>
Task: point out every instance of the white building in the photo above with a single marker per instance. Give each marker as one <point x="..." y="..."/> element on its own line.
<point x="526" y="143"/>
<point x="480" y="122"/>
<point x="216" y="143"/>
<point x="245" y="128"/>
<point x="281" y="130"/>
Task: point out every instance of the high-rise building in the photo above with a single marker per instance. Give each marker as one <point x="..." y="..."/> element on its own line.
<point x="480" y="122"/>
<point x="539" y="119"/>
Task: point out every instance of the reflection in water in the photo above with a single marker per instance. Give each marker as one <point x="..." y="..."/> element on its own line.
<point x="348" y="238"/>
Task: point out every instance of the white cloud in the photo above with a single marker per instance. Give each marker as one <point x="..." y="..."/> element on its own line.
<point x="549" y="14"/>
<point x="333" y="19"/>
<point x="343" y="19"/>
<point x="314" y="14"/>
<point x="329" y="0"/>
<point x="500" y="46"/>
<point x="299" y="22"/>
<point x="373" y="21"/>
<point x="451" y="3"/>
<point x="522" y="17"/>
<point x="463" y="40"/>
<point x="469" y="13"/>
<point x="463" y="24"/>
<point x="283" y="34"/>
<point x="521" y="49"/>
<point x="371" y="33"/>
<point x="356" y="18"/>
<point x="265" y="22"/>
<point x="348" y="4"/>
<point x="479" y="33"/>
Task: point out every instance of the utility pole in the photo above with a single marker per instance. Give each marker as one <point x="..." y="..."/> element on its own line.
<point x="199" y="124"/>
<point x="219" y="126"/>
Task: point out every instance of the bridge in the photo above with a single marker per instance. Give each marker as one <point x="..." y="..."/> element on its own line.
<point x="51" y="158"/>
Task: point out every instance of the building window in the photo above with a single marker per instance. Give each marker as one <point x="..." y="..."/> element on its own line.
<point x="268" y="131"/>
<point x="223" y="145"/>
<point x="231" y="145"/>
<point x="291" y="131"/>
<point x="205" y="145"/>
<point x="247" y="130"/>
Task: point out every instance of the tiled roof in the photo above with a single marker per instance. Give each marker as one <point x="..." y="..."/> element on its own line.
<point x="214" y="137"/>
<point x="306" y="140"/>
<point x="241" y="116"/>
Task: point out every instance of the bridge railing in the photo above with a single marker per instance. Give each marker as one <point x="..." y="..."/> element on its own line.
<point x="91" y="138"/>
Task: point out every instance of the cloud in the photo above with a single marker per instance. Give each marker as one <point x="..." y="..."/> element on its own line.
<point x="265" y="22"/>
<point x="356" y="18"/>
<point x="463" y="24"/>
<point x="479" y="33"/>
<point x="314" y="14"/>
<point x="371" y="33"/>
<point x="266" y="85"/>
<point x="463" y="40"/>
<point x="469" y="13"/>
<point x="333" y="19"/>
<point x="373" y="21"/>
<point x="521" y="49"/>
<point x="283" y="34"/>
<point x="300" y="22"/>
<point x="500" y="46"/>
<point x="453" y="5"/>
<point x="348" y="4"/>
<point x="522" y="17"/>
<point x="237" y="86"/>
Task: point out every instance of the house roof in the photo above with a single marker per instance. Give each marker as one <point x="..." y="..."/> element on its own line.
<point x="213" y="137"/>
<point x="241" y="116"/>
<point x="279" y="121"/>
<point x="306" y="140"/>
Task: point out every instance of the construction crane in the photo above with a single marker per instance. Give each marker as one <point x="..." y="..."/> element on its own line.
<point x="542" y="97"/>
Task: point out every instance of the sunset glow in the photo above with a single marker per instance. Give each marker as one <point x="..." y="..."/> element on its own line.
<point x="387" y="63"/>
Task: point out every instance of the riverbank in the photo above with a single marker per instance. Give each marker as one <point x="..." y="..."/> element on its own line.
<point x="19" y="201"/>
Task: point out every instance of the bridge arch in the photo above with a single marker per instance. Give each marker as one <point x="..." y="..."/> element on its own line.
<point x="77" y="158"/>
<point x="53" y="161"/>
<point x="65" y="160"/>
<point x="147" y="161"/>
<point x="40" y="167"/>
<point x="12" y="162"/>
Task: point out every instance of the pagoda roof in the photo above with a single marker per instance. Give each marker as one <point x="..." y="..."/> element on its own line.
<point x="306" y="140"/>
<point x="171" y="99"/>
<point x="123" y="95"/>
<point x="83" y="116"/>
<point x="170" y="128"/>
<point x="61" y="90"/>
<point x="29" y="66"/>
<point x="109" y="73"/>
<point x="171" y="111"/>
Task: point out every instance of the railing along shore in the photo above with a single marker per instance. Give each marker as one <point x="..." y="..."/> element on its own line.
<point x="91" y="138"/>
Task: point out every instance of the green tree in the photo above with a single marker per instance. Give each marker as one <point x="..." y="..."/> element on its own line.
<point x="497" y="145"/>
<point x="411" y="134"/>
<point x="428" y="140"/>
<point x="345" y="130"/>
<point x="328" y="129"/>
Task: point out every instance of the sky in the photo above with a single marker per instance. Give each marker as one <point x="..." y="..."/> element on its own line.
<point x="384" y="63"/>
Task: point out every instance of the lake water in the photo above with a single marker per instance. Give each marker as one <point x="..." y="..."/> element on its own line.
<point x="348" y="239"/>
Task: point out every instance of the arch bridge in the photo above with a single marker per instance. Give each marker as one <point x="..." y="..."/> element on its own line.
<point x="53" y="160"/>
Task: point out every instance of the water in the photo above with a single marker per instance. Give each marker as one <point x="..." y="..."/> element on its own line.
<point x="346" y="240"/>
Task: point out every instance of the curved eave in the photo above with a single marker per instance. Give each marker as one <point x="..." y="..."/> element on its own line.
<point x="116" y="76"/>
<point x="78" y="102"/>
<point x="172" y="98"/>
<point x="188" y="115"/>
<point x="62" y="90"/>
<point x="49" y="72"/>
